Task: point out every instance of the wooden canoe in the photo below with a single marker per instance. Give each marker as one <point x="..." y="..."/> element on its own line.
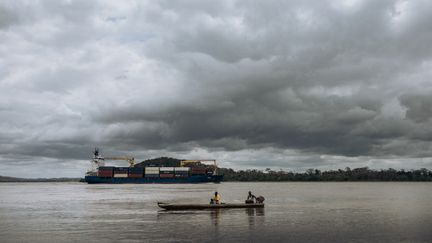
<point x="176" y="206"/>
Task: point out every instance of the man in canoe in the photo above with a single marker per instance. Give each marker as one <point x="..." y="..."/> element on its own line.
<point x="250" y="198"/>
<point x="253" y="199"/>
<point x="215" y="199"/>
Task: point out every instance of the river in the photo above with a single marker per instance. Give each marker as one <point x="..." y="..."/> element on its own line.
<point x="294" y="212"/>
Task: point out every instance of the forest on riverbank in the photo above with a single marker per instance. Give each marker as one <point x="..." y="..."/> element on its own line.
<point x="347" y="174"/>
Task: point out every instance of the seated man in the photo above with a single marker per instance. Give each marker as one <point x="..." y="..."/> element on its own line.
<point x="259" y="199"/>
<point x="215" y="199"/>
<point x="250" y="198"/>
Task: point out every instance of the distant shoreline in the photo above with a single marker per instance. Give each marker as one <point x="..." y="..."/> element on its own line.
<point x="81" y="180"/>
<point x="6" y="179"/>
<point x="363" y="174"/>
<point x="341" y="175"/>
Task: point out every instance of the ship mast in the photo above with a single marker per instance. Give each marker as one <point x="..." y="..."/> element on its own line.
<point x="95" y="162"/>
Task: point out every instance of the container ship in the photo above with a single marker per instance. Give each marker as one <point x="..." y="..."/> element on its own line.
<point x="188" y="171"/>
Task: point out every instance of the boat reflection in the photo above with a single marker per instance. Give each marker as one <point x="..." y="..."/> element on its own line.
<point x="255" y="211"/>
<point x="255" y="216"/>
<point x="216" y="216"/>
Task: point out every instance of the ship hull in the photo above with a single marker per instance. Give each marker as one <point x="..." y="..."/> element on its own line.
<point x="144" y="180"/>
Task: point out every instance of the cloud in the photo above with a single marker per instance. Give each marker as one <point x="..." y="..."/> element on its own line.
<point x="418" y="106"/>
<point x="342" y="79"/>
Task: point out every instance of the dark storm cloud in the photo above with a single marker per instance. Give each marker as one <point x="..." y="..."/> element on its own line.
<point x="419" y="106"/>
<point x="292" y="80"/>
<point x="7" y="18"/>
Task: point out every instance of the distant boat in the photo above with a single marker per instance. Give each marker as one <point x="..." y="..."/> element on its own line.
<point x="176" y="206"/>
<point x="187" y="171"/>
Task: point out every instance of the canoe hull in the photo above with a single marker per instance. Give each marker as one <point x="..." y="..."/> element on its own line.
<point x="168" y="206"/>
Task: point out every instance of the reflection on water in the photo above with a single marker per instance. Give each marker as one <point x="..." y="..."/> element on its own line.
<point x="255" y="211"/>
<point x="296" y="212"/>
<point x="255" y="217"/>
<point x="215" y="216"/>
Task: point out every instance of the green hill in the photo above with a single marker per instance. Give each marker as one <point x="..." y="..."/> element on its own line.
<point x="159" y="162"/>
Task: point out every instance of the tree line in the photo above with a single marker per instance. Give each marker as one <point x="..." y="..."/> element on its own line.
<point x="348" y="174"/>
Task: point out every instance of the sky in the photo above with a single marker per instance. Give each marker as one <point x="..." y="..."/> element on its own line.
<point x="253" y="84"/>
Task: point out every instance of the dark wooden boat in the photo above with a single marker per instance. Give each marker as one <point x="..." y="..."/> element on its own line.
<point x="176" y="206"/>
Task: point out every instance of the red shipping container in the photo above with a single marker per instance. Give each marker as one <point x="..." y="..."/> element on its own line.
<point x="105" y="174"/>
<point x="135" y="176"/>
<point x="198" y="169"/>
<point x="166" y="175"/>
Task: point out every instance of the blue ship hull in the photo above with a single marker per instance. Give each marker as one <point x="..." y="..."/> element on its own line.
<point x="190" y="179"/>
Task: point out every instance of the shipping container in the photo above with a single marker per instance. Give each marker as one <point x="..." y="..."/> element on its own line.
<point x="166" y="175"/>
<point x="105" y="171"/>
<point x="182" y="174"/>
<point x="136" y="175"/>
<point x="152" y="172"/>
<point x="136" y="171"/>
<point x="152" y="167"/>
<point x="106" y="167"/>
<point x="181" y="169"/>
<point x="121" y="169"/>
<point x="141" y="174"/>
<point x="198" y="171"/>
<point x="151" y="175"/>
<point x="105" y="174"/>
<point x="167" y="172"/>
<point x="166" y="168"/>
<point x="120" y="175"/>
